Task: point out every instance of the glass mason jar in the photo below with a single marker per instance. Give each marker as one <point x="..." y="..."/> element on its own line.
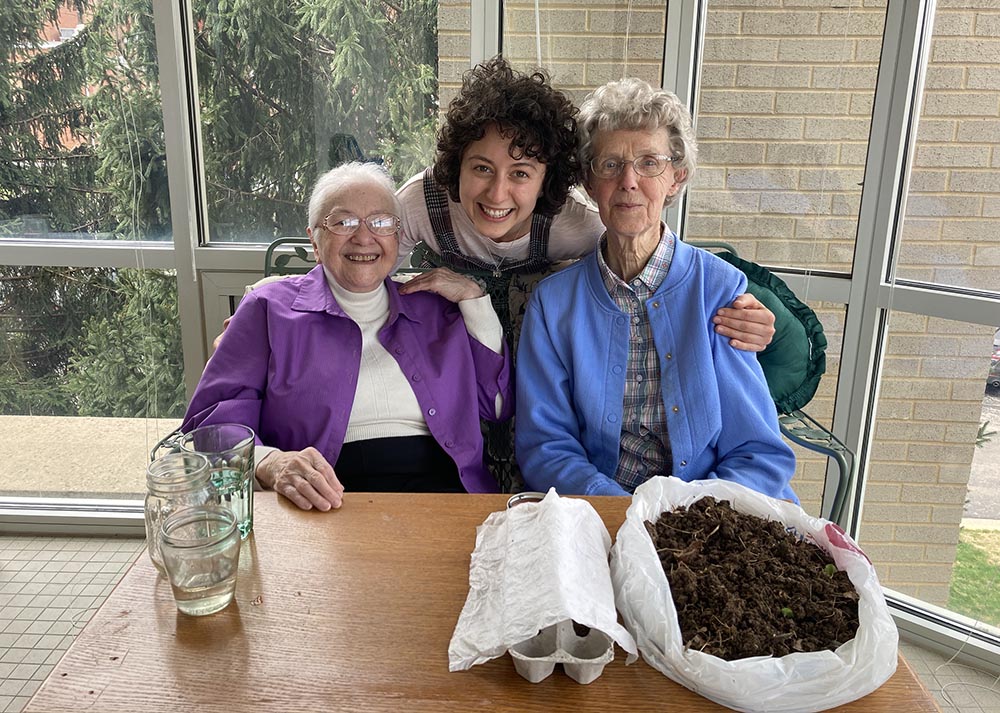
<point x="201" y="555"/>
<point x="174" y="481"/>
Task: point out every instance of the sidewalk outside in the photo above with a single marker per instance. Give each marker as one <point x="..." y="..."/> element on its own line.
<point x="56" y="456"/>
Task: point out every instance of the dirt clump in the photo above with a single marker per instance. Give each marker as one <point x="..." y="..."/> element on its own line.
<point x="744" y="586"/>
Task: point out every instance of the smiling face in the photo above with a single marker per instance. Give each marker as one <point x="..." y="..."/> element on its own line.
<point x="499" y="192"/>
<point x="359" y="262"/>
<point x="630" y="205"/>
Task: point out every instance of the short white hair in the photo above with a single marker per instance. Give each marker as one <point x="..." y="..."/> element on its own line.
<point x="633" y="105"/>
<point x="342" y="178"/>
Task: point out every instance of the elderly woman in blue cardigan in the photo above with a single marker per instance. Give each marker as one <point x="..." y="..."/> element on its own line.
<point x="620" y="374"/>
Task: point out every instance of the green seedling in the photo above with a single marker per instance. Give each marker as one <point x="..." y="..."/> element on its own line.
<point x="830" y="570"/>
<point x="787" y="612"/>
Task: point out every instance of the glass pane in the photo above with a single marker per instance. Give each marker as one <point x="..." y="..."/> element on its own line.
<point x="930" y="502"/>
<point x="783" y="123"/>
<point x="288" y="90"/>
<point x="81" y="129"/>
<point x="810" y="474"/>
<point x="951" y="235"/>
<point x="91" y="376"/>
<point x="582" y="47"/>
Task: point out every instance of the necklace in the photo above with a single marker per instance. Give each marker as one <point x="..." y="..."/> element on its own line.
<point x="497" y="260"/>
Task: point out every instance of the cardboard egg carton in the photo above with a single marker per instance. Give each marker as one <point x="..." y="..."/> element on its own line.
<point x="583" y="658"/>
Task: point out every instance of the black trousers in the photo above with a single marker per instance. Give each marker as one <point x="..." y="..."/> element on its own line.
<point x="406" y="464"/>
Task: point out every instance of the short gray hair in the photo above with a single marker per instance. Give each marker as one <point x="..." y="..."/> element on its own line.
<point x="633" y="105"/>
<point x="343" y="177"/>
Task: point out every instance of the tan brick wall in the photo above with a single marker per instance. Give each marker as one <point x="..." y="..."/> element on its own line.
<point x="583" y="42"/>
<point x="929" y="409"/>
<point x="588" y="42"/>
<point x="454" y="21"/>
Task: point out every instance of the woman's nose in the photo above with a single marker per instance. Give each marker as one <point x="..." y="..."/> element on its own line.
<point x="364" y="234"/>
<point x="628" y="179"/>
<point x="497" y="190"/>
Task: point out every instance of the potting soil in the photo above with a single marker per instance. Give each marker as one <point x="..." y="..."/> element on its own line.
<point x="744" y="586"/>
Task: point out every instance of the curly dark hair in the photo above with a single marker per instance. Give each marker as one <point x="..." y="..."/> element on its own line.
<point x="540" y="121"/>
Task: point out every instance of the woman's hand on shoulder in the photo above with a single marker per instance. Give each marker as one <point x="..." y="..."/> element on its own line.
<point x="444" y="282"/>
<point x="304" y="477"/>
<point x="748" y="323"/>
<point x="215" y="342"/>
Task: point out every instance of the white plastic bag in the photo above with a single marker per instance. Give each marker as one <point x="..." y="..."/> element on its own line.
<point x="797" y="682"/>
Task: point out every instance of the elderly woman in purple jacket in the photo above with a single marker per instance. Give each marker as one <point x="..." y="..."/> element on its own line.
<point x="352" y="381"/>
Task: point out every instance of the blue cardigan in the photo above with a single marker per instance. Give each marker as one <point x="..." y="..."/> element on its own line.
<point x="571" y="383"/>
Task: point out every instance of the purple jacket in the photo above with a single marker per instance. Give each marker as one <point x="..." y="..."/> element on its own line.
<point x="288" y="364"/>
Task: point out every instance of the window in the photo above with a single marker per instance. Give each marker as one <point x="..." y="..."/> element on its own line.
<point x="583" y="47"/>
<point x="783" y="122"/>
<point x="787" y="110"/>
<point x="313" y="90"/>
<point x="928" y="510"/>
<point x="90" y="355"/>
<point x="81" y="135"/>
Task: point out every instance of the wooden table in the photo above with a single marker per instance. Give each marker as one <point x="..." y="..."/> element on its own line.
<point x="346" y="611"/>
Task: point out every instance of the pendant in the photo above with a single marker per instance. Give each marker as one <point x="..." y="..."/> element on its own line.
<point x="496" y="272"/>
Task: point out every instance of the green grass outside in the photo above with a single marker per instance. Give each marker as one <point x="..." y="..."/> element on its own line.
<point x="975" y="579"/>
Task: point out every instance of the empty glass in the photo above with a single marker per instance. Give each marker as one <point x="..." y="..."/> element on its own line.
<point x="229" y="449"/>
<point x="173" y="481"/>
<point x="201" y="554"/>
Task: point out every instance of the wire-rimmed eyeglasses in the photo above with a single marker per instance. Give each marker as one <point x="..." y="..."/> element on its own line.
<point x="347" y="224"/>
<point x="649" y="165"/>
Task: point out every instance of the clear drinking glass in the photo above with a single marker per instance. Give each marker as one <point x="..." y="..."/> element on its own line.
<point x="201" y="553"/>
<point x="174" y="481"/>
<point x="229" y="449"/>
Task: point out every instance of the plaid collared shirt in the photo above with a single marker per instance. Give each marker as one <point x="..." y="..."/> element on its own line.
<point x="644" y="449"/>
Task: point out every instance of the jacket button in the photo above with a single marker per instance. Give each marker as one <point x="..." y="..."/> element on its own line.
<point x="449" y="444"/>
<point x="669" y="355"/>
<point x="656" y="304"/>
<point x="399" y="350"/>
<point x="416" y="377"/>
<point x="432" y="412"/>
<point x="616" y="369"/>
<point x="676" y="409"/>
<point x="684" y="462"/>
<point x="612" y="418"/>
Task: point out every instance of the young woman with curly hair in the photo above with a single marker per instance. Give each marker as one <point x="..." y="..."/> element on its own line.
<point x="500" y="196"/>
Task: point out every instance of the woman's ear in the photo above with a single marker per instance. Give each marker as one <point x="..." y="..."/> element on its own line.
<point x="310" y="233"/>
<point x="680" y="177"/>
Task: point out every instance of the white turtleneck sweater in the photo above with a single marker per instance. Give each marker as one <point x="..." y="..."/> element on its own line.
<point x="384" y="403"/>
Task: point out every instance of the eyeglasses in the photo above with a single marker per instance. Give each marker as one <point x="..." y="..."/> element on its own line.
<point x="649" y="165"/>
<point x="347" y="224"/>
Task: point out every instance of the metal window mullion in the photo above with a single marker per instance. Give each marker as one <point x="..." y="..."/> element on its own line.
<point x="485" y="19"/>
<point x="85" y="253"/>
<point x="179" y="94"/>
<point x="231" y="257"/>
<point x="941" y="303"/>
<point x="683" y="48"/>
